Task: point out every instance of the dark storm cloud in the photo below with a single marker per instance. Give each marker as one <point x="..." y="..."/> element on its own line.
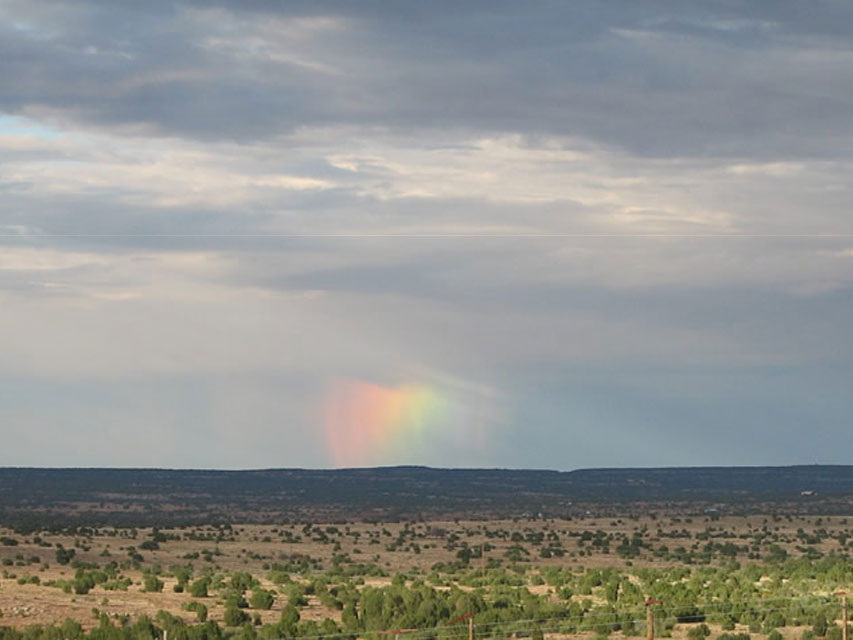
<point x="656" y="78"/>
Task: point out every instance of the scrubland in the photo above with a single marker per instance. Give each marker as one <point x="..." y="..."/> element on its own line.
<point x="765" y="576"/>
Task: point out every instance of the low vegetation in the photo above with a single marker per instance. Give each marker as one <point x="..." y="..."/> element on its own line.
<point x="732" y="578"/>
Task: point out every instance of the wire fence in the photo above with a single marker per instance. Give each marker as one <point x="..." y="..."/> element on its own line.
<point x="598" y="621"/>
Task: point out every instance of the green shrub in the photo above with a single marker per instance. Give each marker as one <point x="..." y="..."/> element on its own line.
<point x="834" y="633"/>
<point x="151" y="584"/>
<point x="234" y="616"/>
<point x="64" y="556"/>
<point x="699" y="632"/>
<point x="83" y="582"/>
<point x="261" y="599"/>
<point x="198" y="589"/>
<point x="820" y="625"/>
<point x="199" y="609"/>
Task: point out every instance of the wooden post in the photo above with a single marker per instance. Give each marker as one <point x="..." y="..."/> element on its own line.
<point x="471" y="628"/>
<point x="650" y="624"/>
<point x="844" y="631"/>
<point x="650" y="619"/>
<point x="483" y="560"/>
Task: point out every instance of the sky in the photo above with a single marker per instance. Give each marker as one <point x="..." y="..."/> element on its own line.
<point x="459" y="234"/>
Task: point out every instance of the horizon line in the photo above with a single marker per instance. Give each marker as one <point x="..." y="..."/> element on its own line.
<point x="416" y="466"/>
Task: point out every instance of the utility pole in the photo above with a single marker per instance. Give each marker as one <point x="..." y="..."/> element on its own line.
<point x="844" y="630"/>
<point x="650" y="618"/>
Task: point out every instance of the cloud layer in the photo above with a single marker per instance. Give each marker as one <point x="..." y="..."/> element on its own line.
<point x="614" y="234"/>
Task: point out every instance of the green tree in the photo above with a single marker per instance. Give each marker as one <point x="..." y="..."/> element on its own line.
<point x="349" y="617"/>
<point x="289" y="619"/>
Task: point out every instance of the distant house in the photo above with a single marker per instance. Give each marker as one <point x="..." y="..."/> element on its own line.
<point x="808" y="492"/>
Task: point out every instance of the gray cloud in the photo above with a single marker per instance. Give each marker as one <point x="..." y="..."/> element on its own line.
<point x="661" y="79"/>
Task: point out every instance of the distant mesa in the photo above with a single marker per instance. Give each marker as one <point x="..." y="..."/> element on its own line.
<point x="169" y="497"/>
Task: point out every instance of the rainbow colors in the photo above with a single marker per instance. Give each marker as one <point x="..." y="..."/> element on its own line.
<point x="368" y="424"/>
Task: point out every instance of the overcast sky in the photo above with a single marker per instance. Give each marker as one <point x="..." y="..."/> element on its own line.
<point x="544" y="234"/>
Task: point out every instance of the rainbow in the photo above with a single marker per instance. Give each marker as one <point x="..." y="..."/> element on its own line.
<point x="367" y="424"/>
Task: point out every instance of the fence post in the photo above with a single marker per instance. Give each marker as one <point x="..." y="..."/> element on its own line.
<point x="844" y="631"/>
<point x="650" y="618"/>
